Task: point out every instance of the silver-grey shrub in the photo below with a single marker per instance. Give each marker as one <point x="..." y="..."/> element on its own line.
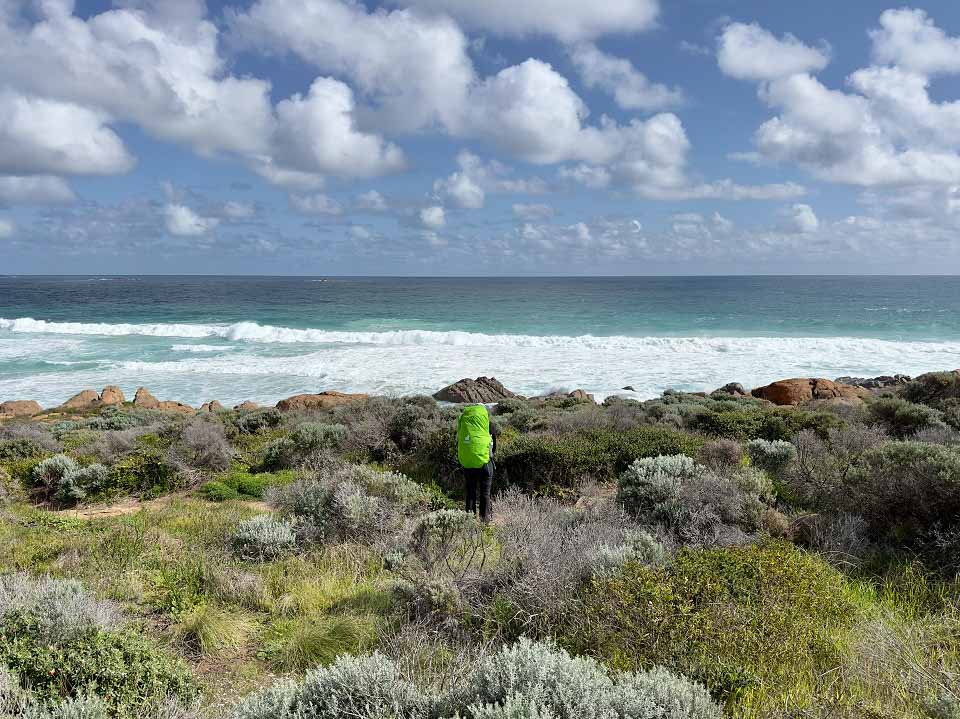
<point x="528" y="680"/>
<point x="62" y="607"/>
<point x="545" y="678"/>
<point x="689" y="501"/>
<point x="771" y="456"/>
<point x="263" y="538"/>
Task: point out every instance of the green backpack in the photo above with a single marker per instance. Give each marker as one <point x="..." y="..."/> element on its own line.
<point x="473" y="436"/>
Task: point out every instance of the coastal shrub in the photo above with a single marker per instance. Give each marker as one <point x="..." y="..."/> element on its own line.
<point x="263" y="538"/>
<point x="257" y="420"/>
<point x="816" y="479"/>
<point x="145" y="471"/>
<point x="688" y="500"/>
<point x="533" y="679"/>
<point x="760" y="423"/>
<point x="17" y="449"/>
<point x="532" y="461"/>
<point x="547" y="549"/>
<point x="394" y="487"/>
<point x="528" y="680"/>
<point x="771" y="456"/>
<point x="905" y="488"/>
<point x="36" y="433"/>
<point x="331" y="508"/>
<point x="128" y="672"/>
<point x="736" y="618"/>
<point x="48" y="474"/>
<point x="82" y="482"/>
<point x="204" y="445"/>
<point x="902" y="418"/>
<point x="305" y="441"/>
<point x="448" y="543"/>
<point x="217" y="491"/>
<point x="62" y="608"/>
<point x="722" y="455"/>
<point x="933" y="389"/>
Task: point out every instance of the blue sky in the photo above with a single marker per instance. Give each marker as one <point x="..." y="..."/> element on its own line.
<point x="447" y="137"/>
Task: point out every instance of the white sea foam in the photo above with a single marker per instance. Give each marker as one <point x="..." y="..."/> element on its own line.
<point x="267" y="363"/>
<point x="200" y="348"/>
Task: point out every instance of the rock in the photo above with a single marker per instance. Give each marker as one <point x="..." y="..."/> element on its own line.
<point x="171" y="406"/>
<point x="483" y="390"/>
<point x="733" y="388"/>
<point x="875" y="383"/>
<point x="86" y="399"/>
<point x="798" y="390"/>
<point x="212" y="406"/>
<point x="628" y="388"/>
<point x="144" y="400"/>
<point x="247" y="406"/>
<point x="20" y="408"/>
<point x="112" y="396"/>
<point x="581" y="395"/>
<point x="775" y="523"/>
<point x="322" y="400"/>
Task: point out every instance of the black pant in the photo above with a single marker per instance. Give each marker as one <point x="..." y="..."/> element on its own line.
<point x="481" y="479"/>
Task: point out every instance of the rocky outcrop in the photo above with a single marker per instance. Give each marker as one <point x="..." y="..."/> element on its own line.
<point x="580" y="395"/>
<point x="482" y="390"/>
<point x="19" y="408"/>
<point x="876" y="383"/>
<point x="171" y="406"/>
<point x="212" y="406"/>
<point x="733" y="388"/>
<point x="628" y="388"/>
<point x="144" y="400"/>
<point x="803" y="389"/>
<point x="87" y="399"/>
<point x="322" y="400"/>
<point x="247" y="406"/>
<point x="112" y="396"/>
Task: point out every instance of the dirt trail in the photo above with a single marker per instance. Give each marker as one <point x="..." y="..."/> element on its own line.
<point x="132" y="505"/>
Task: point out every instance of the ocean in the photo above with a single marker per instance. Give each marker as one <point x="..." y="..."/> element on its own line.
<point x="195" y="339"/>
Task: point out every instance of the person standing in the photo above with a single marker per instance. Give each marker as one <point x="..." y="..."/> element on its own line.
<point x="476" y="447"/>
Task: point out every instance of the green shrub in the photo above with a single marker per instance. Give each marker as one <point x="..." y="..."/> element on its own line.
<point x="257" y="420"/>
<point x="207" y="629"/>
<point x="933" y="388"/>
<point x="17" y="449"/>
<point x="62" y="608"/>
<point x="308" y="439"/>
<point x="903" y="489"/>
<point x="314" y="642"/>
<point x="533" y="462"/>
<point x="144" y="472"/>
<point x="761" y="423"/>
<point x="218" y="492"/>
<point x="263" y="538"/>
<point x="736" y="618"/>
<point x="902" y="418"/>
<point x="130" y="673"/>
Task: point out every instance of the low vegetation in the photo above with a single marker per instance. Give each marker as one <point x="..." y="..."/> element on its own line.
<point x="683" y="558"/>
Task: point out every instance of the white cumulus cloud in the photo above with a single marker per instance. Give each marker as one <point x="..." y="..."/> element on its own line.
<point x="749" y="52"/>
<point x="316" y="204"/>
<point x="801" y="218"/>
<point x="6" y="228"/>
<point x="910" y="39"/>
<point x="34" y="190"/>
<point x="630" y="88"/>
<point x="568" y="20"/>
<point x="181" y="221"/>
<point x="433" y="218"/>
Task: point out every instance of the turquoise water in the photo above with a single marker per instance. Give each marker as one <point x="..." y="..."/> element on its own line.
<point x="196" y="338"/>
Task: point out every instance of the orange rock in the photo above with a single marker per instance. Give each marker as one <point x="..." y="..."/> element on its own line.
<point x="112" y="396"/>
<point x="798" y="390"/>
<point x="323" y="400"/>
<point x="247" y="406"/>
<point x="212" y="406"/>
<point x="20" y="408"/>
<point x="171" y="406"/>
<point x="82" y="400"/>
<point x="144" y="400"/>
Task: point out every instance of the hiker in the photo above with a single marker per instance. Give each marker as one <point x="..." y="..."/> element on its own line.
<point x="476" y="446"/>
